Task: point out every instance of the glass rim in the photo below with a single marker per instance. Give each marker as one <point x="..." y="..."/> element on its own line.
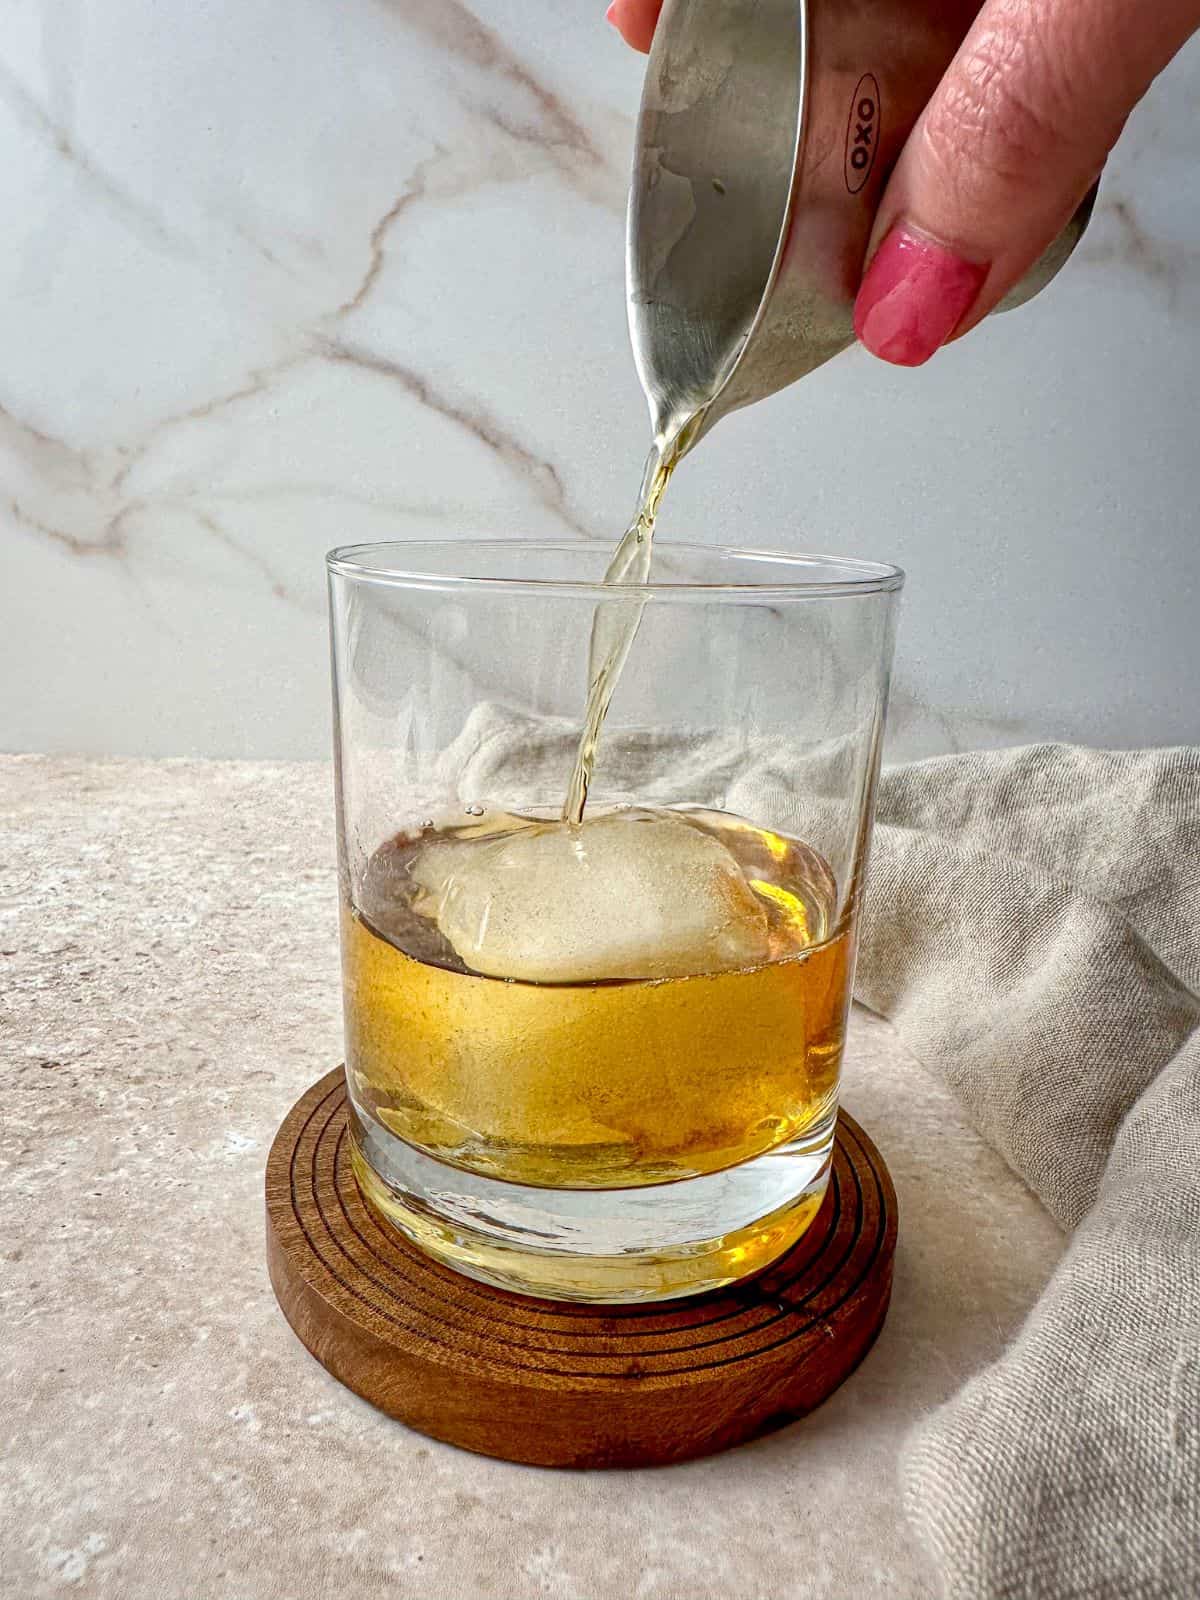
<point x="362" y="563"/>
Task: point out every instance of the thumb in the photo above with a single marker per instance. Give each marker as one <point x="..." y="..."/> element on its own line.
<point x="1012" y="140"/>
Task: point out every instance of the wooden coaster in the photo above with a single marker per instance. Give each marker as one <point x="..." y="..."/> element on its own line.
<point x="568" y="1385"/>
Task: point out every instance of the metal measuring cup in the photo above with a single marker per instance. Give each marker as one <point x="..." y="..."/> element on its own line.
<point x="766" y="134"/>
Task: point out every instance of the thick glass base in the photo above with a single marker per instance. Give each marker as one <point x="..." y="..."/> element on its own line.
<point x="610" y="1246"/>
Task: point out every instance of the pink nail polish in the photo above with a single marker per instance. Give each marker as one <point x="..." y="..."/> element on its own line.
<point x="913" y="297"/>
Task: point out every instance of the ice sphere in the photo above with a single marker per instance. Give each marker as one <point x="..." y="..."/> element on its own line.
<point x="626" y="894"/>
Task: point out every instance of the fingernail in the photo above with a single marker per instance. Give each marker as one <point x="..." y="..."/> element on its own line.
<point x="913" y="297"/>
<point x="611" y="14"/>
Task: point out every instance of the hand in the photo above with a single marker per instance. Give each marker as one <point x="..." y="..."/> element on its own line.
<point x="1014" y="136"/>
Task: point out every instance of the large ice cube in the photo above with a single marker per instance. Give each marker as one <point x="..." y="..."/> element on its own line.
<point x="628" y="894"/>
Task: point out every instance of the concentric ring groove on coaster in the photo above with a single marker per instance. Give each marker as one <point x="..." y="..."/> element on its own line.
<point x="570" y="1385"/>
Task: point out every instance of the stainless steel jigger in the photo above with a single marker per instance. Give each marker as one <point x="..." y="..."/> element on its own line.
<point x="766" y="135"/>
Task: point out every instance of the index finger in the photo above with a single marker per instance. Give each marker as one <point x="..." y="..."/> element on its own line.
<point x="635" y="20"/>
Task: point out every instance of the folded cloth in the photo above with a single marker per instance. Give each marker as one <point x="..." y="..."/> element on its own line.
<point x="1033" y="931"/>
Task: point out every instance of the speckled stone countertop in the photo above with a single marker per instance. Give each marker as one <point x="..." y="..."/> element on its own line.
<point x="171" y="986"/>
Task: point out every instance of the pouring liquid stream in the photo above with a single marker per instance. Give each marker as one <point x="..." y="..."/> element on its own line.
<point x="615" y="623"/>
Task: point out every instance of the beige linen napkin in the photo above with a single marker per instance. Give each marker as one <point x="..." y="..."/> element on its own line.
<point x="1032" y="928"/>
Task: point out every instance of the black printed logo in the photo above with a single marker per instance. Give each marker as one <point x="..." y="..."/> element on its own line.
<point x="862" y="133"/>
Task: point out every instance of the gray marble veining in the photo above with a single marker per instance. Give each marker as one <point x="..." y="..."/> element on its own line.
<point x="315" y="276"/>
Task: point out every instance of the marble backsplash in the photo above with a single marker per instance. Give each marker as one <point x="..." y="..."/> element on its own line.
<point x="282" y="277"/>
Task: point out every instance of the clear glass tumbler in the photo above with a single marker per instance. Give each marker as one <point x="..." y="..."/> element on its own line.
<point x="601" y="1062"/>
